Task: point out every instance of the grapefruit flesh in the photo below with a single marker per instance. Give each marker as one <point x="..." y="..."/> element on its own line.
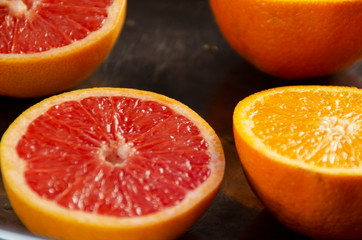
<point x="109" y="163"/>
<point x="49" y="46"/>
<point x="131" y="164"/>
<point x="34" y="26"/>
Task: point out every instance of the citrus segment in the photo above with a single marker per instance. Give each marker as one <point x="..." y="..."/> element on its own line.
<point x="321" y="132"/>
<point x="112" y="154"/>
<point x="300" y="149"/>
<point x="49" y="46"/>
<point x="121" y="157"/>
<point x="35" y="26"/>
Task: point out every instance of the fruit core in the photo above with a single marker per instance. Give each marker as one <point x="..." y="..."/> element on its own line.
<point x="16" y="7"/>
<point x="117" y="156"/>
<point x="116" y="153"/>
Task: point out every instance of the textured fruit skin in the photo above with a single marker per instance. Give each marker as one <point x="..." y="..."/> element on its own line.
<point x="46" y="224"/>
<point x="56" y="70"/>
<point x="293" y="39"/>
<point x="322" y="205"/>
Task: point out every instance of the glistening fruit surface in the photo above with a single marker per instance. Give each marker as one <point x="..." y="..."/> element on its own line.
<point x="300" y="148"/>
<point x="34" y="26"/>
<point x="49" y="46"/>
<point x="114" y="155"/>
<point x="114" y="163"/>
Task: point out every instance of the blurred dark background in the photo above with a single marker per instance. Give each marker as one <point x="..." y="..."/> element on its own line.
<point x="175" y="48"/>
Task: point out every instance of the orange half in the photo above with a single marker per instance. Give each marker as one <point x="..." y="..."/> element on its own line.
<point x="300" y="148"/>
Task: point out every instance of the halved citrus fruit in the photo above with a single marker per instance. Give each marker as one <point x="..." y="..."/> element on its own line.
<point x="109" y="163"/>
<point x="48" y="46"/>
<point x="293" y="39"/>
<point x="300" y="148"/>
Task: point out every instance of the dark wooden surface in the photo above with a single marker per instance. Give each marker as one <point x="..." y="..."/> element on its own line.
<point x="175" y="48"/>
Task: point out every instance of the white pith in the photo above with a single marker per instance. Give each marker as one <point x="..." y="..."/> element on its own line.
<point x="117" y="152"/>
<point x="337" y="131"/>
<point x="18" y="8"/>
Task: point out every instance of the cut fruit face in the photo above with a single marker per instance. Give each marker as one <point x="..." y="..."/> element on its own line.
<point x="49" y="46"/>
<point x="120" y="158"/>
<point x="133" y="157"/>
<point x="320" y="128"/>
<point x="40" y="25"/>
<point x="317" y="132"/>
<point x="300" y="148"/>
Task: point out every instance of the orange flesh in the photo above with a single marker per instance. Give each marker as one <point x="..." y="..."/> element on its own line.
<point x="317" y="129"/>
<point x="30" y="26"/>
<point x="115" y="156"/>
